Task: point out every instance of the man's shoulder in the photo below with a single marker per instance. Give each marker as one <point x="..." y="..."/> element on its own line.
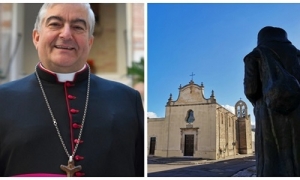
<point x="17" y="85"/>
<point x="110" y="84"/>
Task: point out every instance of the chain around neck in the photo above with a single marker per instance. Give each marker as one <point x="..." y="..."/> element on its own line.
<point x="54" y="120"/>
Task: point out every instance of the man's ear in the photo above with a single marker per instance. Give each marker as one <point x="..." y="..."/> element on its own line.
<point x="91" y="41"/>
<point x="35" y="38"/>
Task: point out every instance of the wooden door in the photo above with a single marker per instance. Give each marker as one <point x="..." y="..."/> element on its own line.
<point x="152" y="145"/>
<point x="189" y="145"/>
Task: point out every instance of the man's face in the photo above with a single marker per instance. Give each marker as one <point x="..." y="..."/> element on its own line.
<point x="63" y="41"/>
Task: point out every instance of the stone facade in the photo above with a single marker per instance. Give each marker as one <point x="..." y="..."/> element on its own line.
<point x="196" y="126"/>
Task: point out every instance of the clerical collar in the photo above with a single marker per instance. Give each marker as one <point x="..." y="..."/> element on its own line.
<point x="63" y="77"/>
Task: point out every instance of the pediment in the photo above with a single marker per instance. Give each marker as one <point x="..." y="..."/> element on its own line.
<point x="191" y="94"/>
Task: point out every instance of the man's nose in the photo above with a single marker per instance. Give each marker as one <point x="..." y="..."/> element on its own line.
<point x="66" y="32"/>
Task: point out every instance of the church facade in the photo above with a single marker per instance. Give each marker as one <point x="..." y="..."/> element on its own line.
<point x="200" y="127"/>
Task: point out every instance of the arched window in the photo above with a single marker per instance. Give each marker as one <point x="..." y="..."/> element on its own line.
<point x="238" y="111"/>
<point x="190" y="116"/>
<point x="241" y="109"/>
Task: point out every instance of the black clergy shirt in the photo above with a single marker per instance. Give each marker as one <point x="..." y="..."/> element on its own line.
<point x="112" y="142"/>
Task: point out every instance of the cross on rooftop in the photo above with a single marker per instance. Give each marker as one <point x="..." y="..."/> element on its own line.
<point x="192" y="75"/>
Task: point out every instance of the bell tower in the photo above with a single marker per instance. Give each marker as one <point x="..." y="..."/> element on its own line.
<point x="243" y="128"/>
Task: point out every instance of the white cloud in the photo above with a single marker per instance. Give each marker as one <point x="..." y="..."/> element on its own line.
<point x="230" y="108"/>
<point x="151" y="115"/>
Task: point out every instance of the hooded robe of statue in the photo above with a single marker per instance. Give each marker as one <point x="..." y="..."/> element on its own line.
<point x="277" y="135"/>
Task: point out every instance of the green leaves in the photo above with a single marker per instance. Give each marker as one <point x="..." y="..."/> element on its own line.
<point x="137" y="71"/>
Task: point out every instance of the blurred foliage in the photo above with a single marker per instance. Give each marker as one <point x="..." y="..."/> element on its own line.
<point x="137" y="71"/>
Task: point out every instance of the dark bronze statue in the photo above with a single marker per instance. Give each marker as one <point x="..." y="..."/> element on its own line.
<point x="271" y="83"/>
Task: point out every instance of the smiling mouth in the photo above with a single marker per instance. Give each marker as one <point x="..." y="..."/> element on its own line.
<point x="64" y="47"/>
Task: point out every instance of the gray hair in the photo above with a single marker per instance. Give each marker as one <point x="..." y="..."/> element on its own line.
<point x="46" y="6"/>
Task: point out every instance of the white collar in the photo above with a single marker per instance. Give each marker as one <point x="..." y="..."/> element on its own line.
<point x="64" y="77"/>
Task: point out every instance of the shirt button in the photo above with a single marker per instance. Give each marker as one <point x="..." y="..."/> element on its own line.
<point x="77" y="141"/>
<point x="74" y="111"/>
<point x="68" y="84"/>
<point x="71" y="97"/>
<point x="78" y="158"/>
<point x="76" y="126"/>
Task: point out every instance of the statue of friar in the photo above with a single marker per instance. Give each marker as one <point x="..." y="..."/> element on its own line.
<point x="271" y="83"/>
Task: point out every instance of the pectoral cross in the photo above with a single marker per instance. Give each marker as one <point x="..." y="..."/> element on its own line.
<point x="70" y="169"/>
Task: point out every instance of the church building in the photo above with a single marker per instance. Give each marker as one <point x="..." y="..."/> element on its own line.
<point x="200" y="127"/>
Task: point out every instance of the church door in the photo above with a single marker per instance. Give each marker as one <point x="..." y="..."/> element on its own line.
<point x="152" y="145"/>
<point x="189" y="145"/>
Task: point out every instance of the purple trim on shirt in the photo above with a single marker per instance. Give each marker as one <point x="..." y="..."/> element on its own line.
<point x="40" y="175"/>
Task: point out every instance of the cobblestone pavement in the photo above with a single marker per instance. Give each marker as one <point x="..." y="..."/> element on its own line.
<point x="160" y="164"/>
<point x="249" y="172"/>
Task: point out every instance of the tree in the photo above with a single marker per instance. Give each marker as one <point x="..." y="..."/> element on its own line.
<point x="137" y="71"/>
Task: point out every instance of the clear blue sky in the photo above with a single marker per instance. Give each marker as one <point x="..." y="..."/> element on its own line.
<point x="211" y="41"/>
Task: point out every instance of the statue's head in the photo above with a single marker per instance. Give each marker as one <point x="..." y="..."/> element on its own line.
<point x="270" y="33"/>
